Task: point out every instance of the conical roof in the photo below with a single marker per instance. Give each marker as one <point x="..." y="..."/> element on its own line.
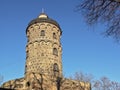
<point x="43" y="18"/>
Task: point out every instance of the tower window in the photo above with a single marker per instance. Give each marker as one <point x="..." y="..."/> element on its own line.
<point x="54" y="36"/>
<point x="55" y="52"/>
<point x="55" y="67"/>
<point x="42" y="33"/>
<point x="28" y="84"/>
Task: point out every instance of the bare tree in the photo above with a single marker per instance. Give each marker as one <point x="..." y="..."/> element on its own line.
<point x="83" y="77"/>
<point x="105" y="84"/>
<point x="115" y="85"/>
<point x="105" y="11"/>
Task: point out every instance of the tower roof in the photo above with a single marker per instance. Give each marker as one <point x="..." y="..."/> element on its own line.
<point x="43" y="18"/>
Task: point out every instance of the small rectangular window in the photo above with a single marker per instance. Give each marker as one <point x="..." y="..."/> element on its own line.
<point x="42" y="33"/>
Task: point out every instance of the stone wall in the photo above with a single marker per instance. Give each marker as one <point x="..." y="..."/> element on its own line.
<point x="43" y="49"/>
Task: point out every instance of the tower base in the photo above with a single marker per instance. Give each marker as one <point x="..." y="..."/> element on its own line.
<point x="42" y="82"/>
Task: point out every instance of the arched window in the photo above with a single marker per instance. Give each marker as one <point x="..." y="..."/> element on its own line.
<point x="55" y="51"/>
<point x="42" y="33"/>
<point x="28" y="84"/>
<point x="26" y="68"/>
<point x="55" y="67"/>
<point x="54" y="36"/>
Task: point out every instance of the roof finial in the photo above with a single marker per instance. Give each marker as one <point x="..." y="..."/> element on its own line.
<point x="43" y="15"/>
<point x="42" y="10"/>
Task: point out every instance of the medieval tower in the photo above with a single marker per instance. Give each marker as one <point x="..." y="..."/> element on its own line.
<point x="43" y="50"/>
<point x="43" y="67"/>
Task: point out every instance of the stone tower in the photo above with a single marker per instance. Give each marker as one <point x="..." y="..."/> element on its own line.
<point x="43" y="68"/>
<point x="43" y="49"/>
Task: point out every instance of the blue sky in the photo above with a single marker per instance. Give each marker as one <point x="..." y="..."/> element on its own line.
<point x="84" y="48"/>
